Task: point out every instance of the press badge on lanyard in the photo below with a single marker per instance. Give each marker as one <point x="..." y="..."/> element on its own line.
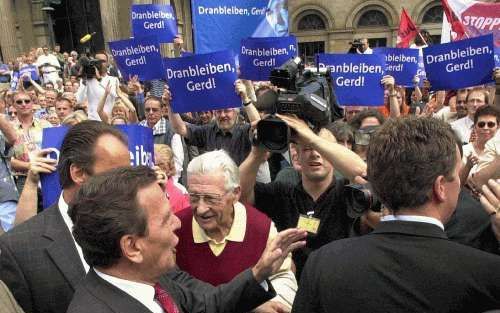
<point x="309" y="223"/>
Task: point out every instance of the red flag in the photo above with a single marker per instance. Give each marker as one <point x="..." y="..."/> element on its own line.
<point x="456" y="25"/>
<point x="407" y="30"/>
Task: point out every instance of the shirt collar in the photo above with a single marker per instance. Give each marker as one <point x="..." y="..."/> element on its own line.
<point x="160" y="127"/>
<point x="63" y="209"/>
<point x="141" y="292"/>
<point x="236" y="233"/>
<point x="413" y="218"/>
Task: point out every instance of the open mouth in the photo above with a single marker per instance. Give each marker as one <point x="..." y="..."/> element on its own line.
<point x="315" y="164"/>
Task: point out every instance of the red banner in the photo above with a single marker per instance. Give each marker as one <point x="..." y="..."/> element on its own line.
<point x="407" y="30"/>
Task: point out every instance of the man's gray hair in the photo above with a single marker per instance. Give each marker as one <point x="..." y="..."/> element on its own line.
<point x="216" y="161"/>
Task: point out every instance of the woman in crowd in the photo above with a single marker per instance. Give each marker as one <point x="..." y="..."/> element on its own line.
<point x="486" y="121"/>
<point x="177" y="194"/>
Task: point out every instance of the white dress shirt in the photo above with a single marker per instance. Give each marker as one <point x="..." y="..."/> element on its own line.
<point x="93" y="90"/>
<point x="63" y="208"/>
<point x="143" y="293"/>
<point x="463" y="128"/>
<point x="413" y="218"/>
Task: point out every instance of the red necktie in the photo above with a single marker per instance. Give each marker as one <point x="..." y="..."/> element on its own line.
<point x="165" y="300"/>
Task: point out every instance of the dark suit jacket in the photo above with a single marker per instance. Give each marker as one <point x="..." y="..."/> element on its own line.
<point x="39" y="263"/>
<point x="41" y="266"/>
<point x="98" y="296"/>
<point x="399" y="267"/>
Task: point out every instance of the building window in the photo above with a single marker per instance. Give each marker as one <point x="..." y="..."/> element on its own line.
<point x="311" y="21"/>
<point x="373" y="18"/>
<point x="308" y="51"/>
<point x="377" y="42"/>
<point x="433" y="15"/>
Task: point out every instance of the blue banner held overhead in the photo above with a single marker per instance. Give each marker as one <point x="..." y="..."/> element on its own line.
<point x="258" y="56"/>
<point x="356" y="77"/>
<point x="400" y="63"/>
<point x="221" y="24"/>
<point x="138" y="56"/>
<point x="460" y="64"/>
<point x="30" y="70"/>
<point x="140" y="146"/>
<point x="154" y="20"/>
<point x="202" y="82"/>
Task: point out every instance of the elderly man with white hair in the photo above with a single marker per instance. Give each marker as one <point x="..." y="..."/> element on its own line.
<point x="221" y="237"/>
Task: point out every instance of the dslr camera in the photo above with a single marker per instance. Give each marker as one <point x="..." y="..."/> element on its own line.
<point x="360" y="198"/>
<point x="303" y="93"/>
<point x="88" y="66"/>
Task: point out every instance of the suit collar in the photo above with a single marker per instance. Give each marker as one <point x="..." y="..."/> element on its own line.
<point x="118" y="300"/>
<point x="62" y="250"/>
<point x="410" y="228"/>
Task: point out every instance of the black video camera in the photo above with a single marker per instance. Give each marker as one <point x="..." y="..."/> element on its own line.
<point x="306" y="94"/>
<point x="360" y="198"/>
<point x="88" y="67"/>
<point x="356" y="46"/>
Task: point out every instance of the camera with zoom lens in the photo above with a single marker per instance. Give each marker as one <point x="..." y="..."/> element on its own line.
<point x="89" y="66"/>
<point x="304" y="93"/>
<point x="360" y="198"/>
<point x="356" y="46"/>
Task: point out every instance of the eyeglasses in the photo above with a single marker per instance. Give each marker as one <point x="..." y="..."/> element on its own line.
<point x="490" y="124"/>
<point x="209" y="199"/>
<point x="154" y="110"/>
<point x="20" y="101"/>
<point x="13" y="113"/>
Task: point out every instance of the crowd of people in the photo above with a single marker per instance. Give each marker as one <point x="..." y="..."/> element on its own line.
<point x="221" y="224"/>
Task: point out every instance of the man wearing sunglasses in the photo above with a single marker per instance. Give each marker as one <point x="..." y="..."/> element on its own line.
<point x="29" y="130"/>
<point x="475" y="99"/>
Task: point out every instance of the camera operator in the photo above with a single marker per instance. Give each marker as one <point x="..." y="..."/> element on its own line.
<point x="318" y="198"/>
<point x="94" y="79"/>
<point x="360" y="46"/>
<point x="407" y="264"/>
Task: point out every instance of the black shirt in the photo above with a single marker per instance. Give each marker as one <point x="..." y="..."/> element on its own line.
<point x="210" y="137"/>
<point x="283" y="203"/>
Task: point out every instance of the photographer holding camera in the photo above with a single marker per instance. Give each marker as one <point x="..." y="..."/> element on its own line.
<point x="360" y="46"/>
<point x="94" y="79"/>
<point x="318" y="201"/>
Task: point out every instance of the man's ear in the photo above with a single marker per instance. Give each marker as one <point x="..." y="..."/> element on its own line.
<point x="78" y="175"/>
<point x="131" y="248"/>
<point x="439" y="190"/>
<point x="237" y="194"/>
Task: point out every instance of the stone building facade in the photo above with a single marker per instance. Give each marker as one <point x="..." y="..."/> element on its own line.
<point x="320" y="25"/>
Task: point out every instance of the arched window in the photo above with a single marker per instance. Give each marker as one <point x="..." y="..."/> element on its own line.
<point x="373" y="18"/>
<point x="311" y="21"/>
<point x="433" y="15"/>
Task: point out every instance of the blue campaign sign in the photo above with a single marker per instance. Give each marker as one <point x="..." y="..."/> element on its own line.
<point x="154" y="20"/>
<point x="221" y="24"/>
<point x="460" y="64"/>
<point x="140" y="145"/>
<point x="14" y="81"/>
<point x="400" y="63"/>
<point x="31" y="70"/>
<point x="356" y="77"/>
<point x="202" y="82"/>
<point x="258" y="56"/>
<point x="138" y="56"/>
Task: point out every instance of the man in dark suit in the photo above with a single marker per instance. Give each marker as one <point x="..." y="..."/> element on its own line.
<point x="123" y="222"/>
<point x="407" y="264"/>
<point x="39" y="260"/>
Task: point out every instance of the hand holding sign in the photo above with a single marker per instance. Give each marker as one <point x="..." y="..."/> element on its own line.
<point x="388" y="82"/>
<point x="40" y="162"/>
